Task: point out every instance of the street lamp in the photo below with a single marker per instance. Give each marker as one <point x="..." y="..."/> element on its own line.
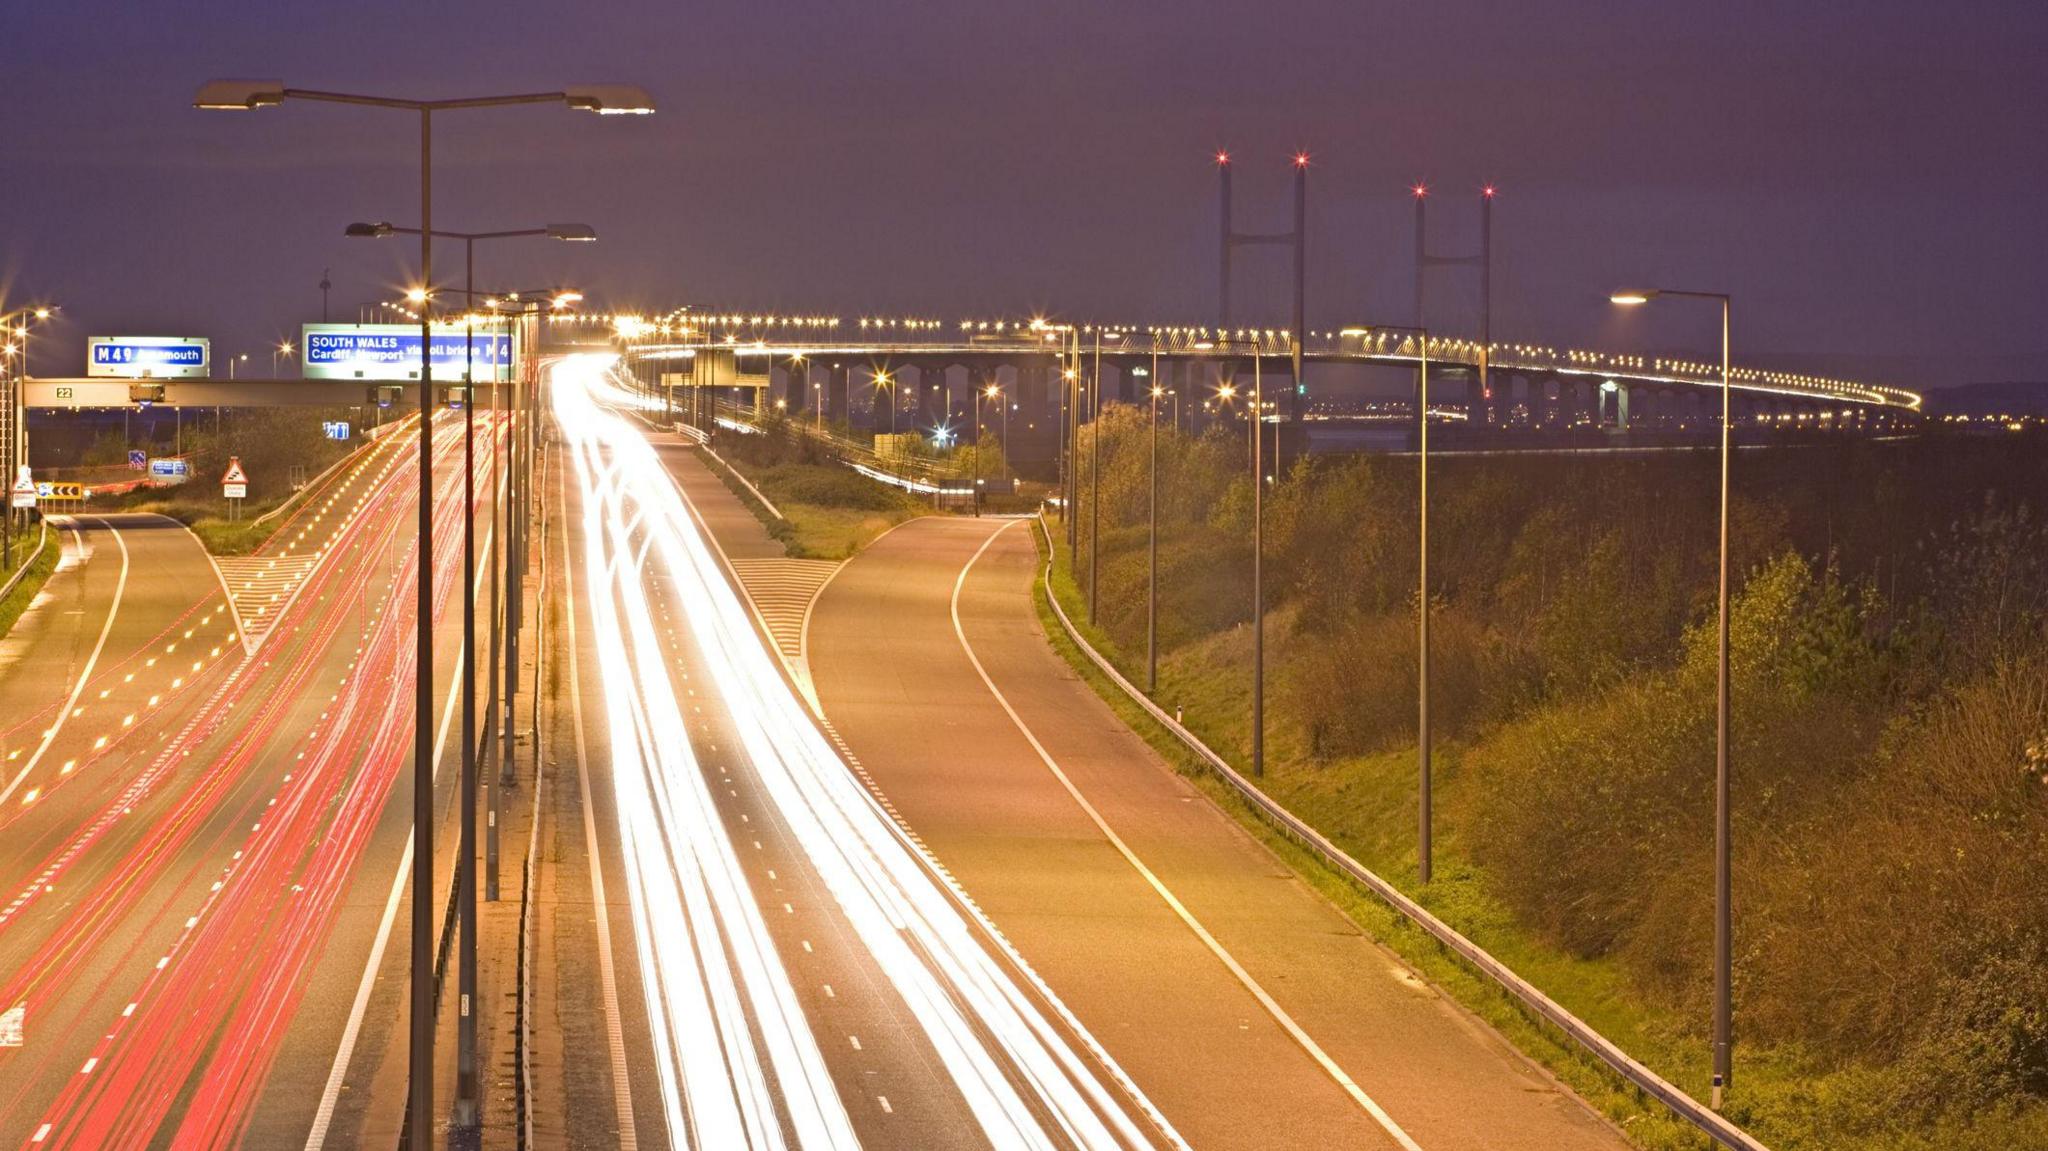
<point x="466" y="978"/>
<point x="1152" y="543"/>
<point x="1226" y="392"/>
<point x="284" y="350"/>
<point x="1424" y="851"/>
<point x="1723" y="921"/>
<point x="14" y="452"/>
<point x="601" y="98"/>
<point x="884" y="383"/>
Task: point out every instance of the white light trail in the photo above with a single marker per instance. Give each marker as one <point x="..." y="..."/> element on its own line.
<point x="735" y="1054"/>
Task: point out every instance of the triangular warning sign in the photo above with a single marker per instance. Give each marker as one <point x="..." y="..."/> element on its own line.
<point x="235" y="474"/>
<point x="24" y="484"/>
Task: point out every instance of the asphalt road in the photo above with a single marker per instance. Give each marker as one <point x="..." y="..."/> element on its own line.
<point x="1245" y="1005"/>
<point x="185" y="860"/>
<point x="785" y="963"/>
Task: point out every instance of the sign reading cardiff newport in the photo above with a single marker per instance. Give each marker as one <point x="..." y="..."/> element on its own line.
<point x="137" y="357"/>
<point x="392" y="352"/>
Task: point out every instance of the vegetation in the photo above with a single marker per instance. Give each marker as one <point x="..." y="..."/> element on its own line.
<point x="829" y="510"/>
<point x="24" y="593"/>
<point x="270" y="442"/>
<point x="1890" y="647"/>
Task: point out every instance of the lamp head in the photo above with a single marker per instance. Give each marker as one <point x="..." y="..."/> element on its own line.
<point x="609" y="99"/>
<point x="362" y="231"/>
<point x="577" y="233"/>
<point x="1631" y="297"/>
<point x="238" y="95"/>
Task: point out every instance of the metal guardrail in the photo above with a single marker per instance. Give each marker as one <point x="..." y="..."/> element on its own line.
<point x="1684" y="1106"/>
<point x="42" y="538"/>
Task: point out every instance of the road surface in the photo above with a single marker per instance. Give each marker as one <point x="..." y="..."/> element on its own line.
<point x="195" y="864"/>
<point x="1241" y="1001"/>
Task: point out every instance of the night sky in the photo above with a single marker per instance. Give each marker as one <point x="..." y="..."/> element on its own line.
<point x="1866" y="178"/>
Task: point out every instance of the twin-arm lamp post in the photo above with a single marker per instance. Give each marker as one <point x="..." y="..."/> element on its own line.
<point x="609" y="99"/>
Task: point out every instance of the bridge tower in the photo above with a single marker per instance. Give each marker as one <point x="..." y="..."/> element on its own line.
<point x="1483" y="260"/>
<point x="1298" y="238"/>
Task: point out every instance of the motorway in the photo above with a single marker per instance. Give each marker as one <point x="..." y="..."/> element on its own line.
<point x="804" y="975"/>
<point x="1221" y="1000"/>
<point x="198" y="836"/>
<point x="1240" y="1000"/>
<point x="967" y="908"/>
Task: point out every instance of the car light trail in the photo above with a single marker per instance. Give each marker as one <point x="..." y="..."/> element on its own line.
<point x="203" y="1027"/>
<point x="704" y="949"/>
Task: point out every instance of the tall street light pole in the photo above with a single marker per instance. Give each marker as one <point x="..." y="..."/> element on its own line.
<point x="1094" y="475"/>
<point x="1424" y="732"/>
<point x="466" y="1092"/>
<point x="1258" y="563"/>
<point x="1152" y="540"/>
<point x="248" y="95"/>
<point x="14" y="327"/>
<point x="1723" y="869"/>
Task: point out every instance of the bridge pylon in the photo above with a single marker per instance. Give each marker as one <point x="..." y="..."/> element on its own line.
<point x="1298" y="239"/>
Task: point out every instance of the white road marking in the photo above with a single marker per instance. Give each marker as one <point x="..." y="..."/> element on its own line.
<point x="615" y="1040"/>
<point x="1273" y="1008"/>
<point x="323" y="1116"/>
<point x="113" y="610"/>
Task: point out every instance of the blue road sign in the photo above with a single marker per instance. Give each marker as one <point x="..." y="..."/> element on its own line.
<point x="335" y="429"/>
<point x="138" y="459"/>
<point x="392" y="352"/>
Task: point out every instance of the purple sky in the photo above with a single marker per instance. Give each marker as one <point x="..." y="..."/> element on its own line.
<point x="1863" y="177"/>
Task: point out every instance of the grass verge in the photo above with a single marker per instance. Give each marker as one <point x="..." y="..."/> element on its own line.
<point x="24" y="593"/>
<point x="1784" y="1095"/>
<point x="1647" y="1124"/>
<point x="827" y="512"/>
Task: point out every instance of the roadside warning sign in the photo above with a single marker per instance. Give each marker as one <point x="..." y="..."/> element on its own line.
<point x="235" y="484"/>
<point x="24" y="494"/>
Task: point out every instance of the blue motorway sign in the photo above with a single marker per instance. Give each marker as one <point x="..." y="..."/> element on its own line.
<point x="140" y="356"/>
<point x="138" y="459"/>
<point x="392" y="352"/>
<point x="172" y="468"/>
<point x="335" y="429"/>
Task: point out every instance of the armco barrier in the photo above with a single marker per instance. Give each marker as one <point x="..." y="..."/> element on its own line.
<point x="1287" y="823"/>
<point x="42" y="538"/>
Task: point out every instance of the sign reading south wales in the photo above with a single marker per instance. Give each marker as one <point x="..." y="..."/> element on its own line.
<point x="392" y="352"/>
<point x="146" y="357"/>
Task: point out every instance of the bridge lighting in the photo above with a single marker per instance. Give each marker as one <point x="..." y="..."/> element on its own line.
<point x="1609" y="386"/>
<point x="564" y="299"/>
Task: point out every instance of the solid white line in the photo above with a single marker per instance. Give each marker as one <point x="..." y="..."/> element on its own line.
<point x="248" y="642"/>
<point x="323" y="1116"/>
<point x="622" y="1093"/>
<point x="113" y="610"/>
<point x="1273" y="1008"/>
